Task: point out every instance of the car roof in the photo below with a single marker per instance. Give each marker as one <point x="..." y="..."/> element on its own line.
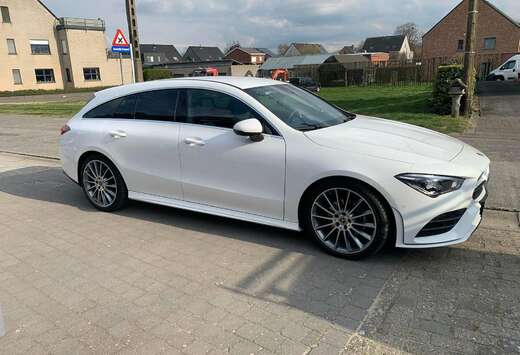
<point x="242" y="83"/>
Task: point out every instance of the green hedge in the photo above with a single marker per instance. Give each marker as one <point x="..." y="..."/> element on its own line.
<point x="441" y="100"/>
<point x="157" y="74"/>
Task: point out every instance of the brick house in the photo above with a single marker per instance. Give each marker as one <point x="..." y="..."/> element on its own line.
<point x="246" y="55"/>
<point x="498" y="37"/>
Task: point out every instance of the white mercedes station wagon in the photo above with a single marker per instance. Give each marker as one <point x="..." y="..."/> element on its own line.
<point x="267" y="152"/>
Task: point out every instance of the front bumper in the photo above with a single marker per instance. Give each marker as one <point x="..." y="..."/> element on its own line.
<point x="464" y="199"/>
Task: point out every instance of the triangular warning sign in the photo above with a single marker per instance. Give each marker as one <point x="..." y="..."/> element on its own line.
<point x="120" y="40"/>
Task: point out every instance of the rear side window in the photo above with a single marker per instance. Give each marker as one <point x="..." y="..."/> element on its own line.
<point x="124" y="107"/>
<point x="156" y="105"/>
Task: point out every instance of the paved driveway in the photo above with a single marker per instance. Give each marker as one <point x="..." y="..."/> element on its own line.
<point x="159" y="280"/>
<point x="497" y="133"/>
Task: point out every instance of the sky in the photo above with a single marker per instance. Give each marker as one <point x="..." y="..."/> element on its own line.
<point x="265" y="23"/>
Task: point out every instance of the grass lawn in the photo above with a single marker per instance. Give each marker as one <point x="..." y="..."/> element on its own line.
<point x="45" y="109"/>
<point x="408" y="104"/>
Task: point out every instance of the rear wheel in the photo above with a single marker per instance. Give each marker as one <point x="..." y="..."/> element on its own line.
<point x="347" y="219"/>
<point x="103" y="185"/>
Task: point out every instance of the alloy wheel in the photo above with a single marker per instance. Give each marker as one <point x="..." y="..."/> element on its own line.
<point x="100" y="184"/>
<point x="343" y="220"/>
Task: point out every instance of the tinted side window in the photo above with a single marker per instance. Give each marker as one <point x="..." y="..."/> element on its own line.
<point x="509" y="65"/>
<point x="211" y="108"/>
<point x="156" y="105"/>
<point x="123" y="107"/>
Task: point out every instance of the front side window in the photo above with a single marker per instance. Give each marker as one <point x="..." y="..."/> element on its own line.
<point x="211" y="108"/>
<point x="11" y="46"/>
<point x="298" y="108"/>
<point x="17" y="77"/>
<point x="509" y="65"/>
<point x="6" y="17"/>
<point x="44" y="75"/>
<point x="490" y="43"/>
<point x="40" y="47"/>
<point x="91" y="74"/>
<point x="156" y="105"/>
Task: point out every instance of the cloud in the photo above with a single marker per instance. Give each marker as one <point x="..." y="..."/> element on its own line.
<point x="266" y="23"/>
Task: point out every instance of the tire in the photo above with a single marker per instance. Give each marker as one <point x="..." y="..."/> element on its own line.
<point x="109" y="193"/>
<point x="361" y="226"/>
<point x="499" y="78"/>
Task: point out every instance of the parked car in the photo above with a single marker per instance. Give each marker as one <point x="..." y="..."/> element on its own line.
<point x="306" y="83"/>
<point x="508" y="71"/>
<point x="267" y="152"/>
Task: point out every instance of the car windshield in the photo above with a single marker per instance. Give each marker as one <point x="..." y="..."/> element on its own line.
<point x="299" y="108"/>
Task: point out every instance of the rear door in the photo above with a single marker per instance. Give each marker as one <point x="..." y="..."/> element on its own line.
<point x="142" y="138"/>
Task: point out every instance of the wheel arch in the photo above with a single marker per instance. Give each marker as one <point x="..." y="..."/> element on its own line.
<point x="342" y="178"/>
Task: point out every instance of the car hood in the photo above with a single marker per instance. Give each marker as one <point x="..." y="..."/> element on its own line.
<point x="388" y="139"/>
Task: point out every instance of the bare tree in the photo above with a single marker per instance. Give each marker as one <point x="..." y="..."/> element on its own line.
<point x="358" y="48"/>
<point x="282" y="48"/>
<point x="411" y="30"/>
<point x="231" y="45"/>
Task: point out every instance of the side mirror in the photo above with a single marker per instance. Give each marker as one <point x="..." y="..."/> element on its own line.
<point x="251" y="128"/>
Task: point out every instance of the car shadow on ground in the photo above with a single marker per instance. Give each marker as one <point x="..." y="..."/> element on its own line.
<point x="452" y="289"/>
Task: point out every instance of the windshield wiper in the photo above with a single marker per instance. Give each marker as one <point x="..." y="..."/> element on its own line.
<point x="308" y="127"/>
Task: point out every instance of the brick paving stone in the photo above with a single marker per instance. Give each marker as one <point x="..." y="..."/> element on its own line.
<point x="157" y="280"/>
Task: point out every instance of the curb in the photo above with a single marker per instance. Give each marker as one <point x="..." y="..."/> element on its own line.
<point x="48" y="157"/>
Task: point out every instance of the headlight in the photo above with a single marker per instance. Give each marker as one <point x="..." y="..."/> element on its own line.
<point x="432" y="185"/>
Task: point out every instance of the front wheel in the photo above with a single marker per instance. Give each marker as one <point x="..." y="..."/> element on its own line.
<point x="103" y="185"/>
<point x="347" y="219"/>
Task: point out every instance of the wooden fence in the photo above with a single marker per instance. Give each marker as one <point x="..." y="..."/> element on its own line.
<point x="393" y="72"/>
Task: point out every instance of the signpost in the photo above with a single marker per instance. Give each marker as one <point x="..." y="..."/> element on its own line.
<point x="120" y="45"/>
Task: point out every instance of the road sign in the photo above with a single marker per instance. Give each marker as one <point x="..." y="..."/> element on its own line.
<point x="120" y="43"/>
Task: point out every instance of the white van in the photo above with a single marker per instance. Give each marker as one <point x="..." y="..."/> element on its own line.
<point x="509" y="71"/>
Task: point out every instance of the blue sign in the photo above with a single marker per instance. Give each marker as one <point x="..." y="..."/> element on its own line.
<point x="119" y="49"/>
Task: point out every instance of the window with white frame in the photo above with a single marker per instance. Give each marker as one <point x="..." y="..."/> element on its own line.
<point x="64" y="47"/>
<point x="91" y="74"/>
<point x="40" y="47"/>
<point x="6" y="16"/>
<point x="11" y="46"/>
<point x="17" y="77"/>
<point x="44" y="76"/>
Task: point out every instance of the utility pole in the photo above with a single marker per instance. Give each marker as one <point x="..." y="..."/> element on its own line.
<point x="469" y="56"/>
<point x="131" y="15"/>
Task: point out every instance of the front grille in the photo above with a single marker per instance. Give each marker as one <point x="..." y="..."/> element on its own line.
<point x="442" y="224"/>
<point x="478" y="190"/>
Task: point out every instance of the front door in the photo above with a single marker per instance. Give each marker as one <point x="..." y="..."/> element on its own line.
<point x="510" y="71"/>
<point x="222" y="169"/>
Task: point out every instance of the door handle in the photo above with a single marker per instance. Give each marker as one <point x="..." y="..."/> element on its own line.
<point x="194" y="141"/>
<point x="118" y="134"/>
